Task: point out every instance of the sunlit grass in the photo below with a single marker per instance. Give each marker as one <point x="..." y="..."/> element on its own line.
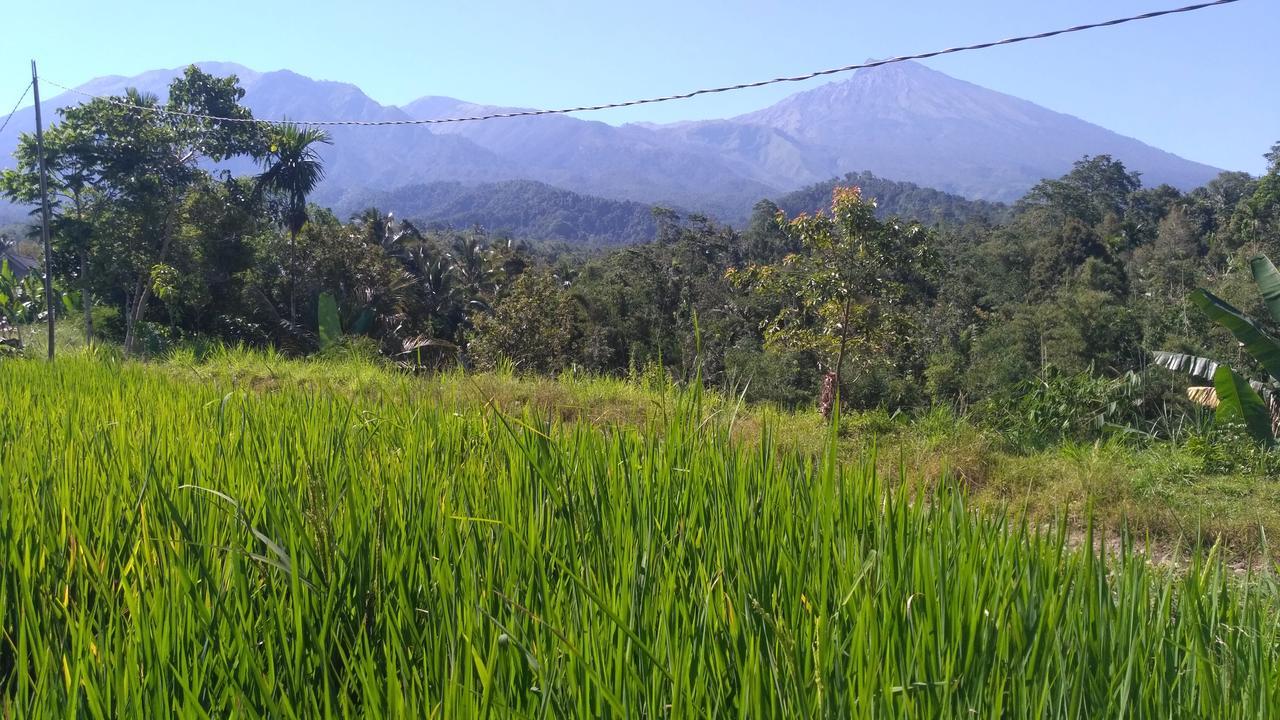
<point x="182" y="542"/>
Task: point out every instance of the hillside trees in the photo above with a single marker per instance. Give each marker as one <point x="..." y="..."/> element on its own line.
<point x="1082" y="276"/>
<point x="1051" y="289"/>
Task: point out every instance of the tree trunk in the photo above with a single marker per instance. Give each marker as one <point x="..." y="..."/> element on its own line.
<point x="293" y="271"/>
<point x="144" y="293"/>
<point x="831" y="382"/>
<point x="86" y="298"/>
<point x="827" y="395"/>
<point x="134" y="314"/>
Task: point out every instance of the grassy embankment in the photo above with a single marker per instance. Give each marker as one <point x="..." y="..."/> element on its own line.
<point x="1178" y="496"/>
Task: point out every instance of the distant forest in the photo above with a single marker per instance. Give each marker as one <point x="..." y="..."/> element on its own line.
<point x="536" y="211"/>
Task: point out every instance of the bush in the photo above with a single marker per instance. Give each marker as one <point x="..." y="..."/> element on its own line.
<point x="776" y="377"/>
<point x="108" y="322"/>
<point x="353" y="348"/>
<point x="1059" y="407"/>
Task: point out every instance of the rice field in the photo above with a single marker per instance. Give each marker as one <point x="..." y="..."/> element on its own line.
<point x="171" y="547"/>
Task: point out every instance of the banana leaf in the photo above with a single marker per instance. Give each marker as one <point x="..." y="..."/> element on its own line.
<point x="1264" y="348"/>
<point x="1239" y="403"/>
<point x="1268" y="280"/>
<point x="327" y="321"/>
<point x="1203" y="395"/>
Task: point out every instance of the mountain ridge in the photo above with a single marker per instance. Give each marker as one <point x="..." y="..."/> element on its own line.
<point x="903" y="121"/>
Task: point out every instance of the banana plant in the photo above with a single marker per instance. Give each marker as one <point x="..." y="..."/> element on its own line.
<point x="329" y="325"/>
<point x="1236" y="399"/>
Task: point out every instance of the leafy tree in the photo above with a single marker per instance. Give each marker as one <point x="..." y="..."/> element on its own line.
<point x="73" y="199"/>
<point x="1259" y="214"/>
<point x="766" y="238"/>
<point x="902" y="199"/>
<point x="1169" y="265"/>
<point x="536" y="326"/>
<point x="1061" y="256"/>
<point x="395" y="237"/>
<point x="1096" y="187"/>
<point x="141" y="163"/>
<point x="851" y="286"/>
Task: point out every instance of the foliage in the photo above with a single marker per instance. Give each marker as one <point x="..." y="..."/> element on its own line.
<point x="330" y="328"/>
<point x="850" y="290"/>
<point x="536" y="326"/>
<point x="1060" y="407"/>
<point x="1084" y="275"/>
<point x="140" y="166"/>
<point x="896" y="199"/>
<point x="1238" y="401"/>
<point x="292" y="168"/>
<point x="520" y="208"/>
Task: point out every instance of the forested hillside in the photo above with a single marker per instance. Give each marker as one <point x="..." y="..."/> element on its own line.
<point x="535" y="211"/>
<point x="515" y="208"/>
<point x="901" y="199"/>
<point x="1083" y="277"/>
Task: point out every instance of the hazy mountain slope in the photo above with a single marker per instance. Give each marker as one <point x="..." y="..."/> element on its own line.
<point x="360" y="157"/>
<point x="628" y="162"/>
<point x="908" y="122"/>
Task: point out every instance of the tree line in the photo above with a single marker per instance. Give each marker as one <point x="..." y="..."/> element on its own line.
<point x="173" y="228"/>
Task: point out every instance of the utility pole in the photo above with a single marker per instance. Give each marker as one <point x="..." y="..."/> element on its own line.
<point x="44" y="207"/>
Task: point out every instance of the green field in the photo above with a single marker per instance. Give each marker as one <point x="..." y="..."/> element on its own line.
<point x="186" y="540"/>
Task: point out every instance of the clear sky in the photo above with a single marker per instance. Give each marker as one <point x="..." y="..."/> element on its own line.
<point x="1204" y="85"/>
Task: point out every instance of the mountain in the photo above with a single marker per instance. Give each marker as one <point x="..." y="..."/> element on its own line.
<point x="524" y="209"/>
<point x="631" y="162"/>
<point x="908" y="122"/>
<point x="902" y="121"/>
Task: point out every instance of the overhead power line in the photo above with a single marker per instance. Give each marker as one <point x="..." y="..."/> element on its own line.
<point x="669" y="98"/>
<point x="5" y="124"/>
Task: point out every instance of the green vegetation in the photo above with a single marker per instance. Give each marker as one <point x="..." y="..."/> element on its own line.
<point x="207" y="549"/>
<point x="1238" y="400"/>
<point x="897" y="199"/>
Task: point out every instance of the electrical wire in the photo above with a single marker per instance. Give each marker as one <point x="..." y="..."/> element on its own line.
<point x="5" y="124"/>
<point x="668" y="98"/>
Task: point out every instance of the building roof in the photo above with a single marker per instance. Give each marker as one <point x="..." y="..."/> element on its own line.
<point x="19" y="265"/>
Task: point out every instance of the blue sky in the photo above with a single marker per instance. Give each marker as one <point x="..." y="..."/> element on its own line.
<point x="1203" y="85"/>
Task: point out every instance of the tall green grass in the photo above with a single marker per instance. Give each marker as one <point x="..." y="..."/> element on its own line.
<point x="194" y="548"/>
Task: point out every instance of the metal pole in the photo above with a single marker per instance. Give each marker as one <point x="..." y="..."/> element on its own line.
<point x="44" y="207"/>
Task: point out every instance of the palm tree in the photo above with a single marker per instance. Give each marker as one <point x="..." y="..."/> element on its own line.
<point x="292" y="168"/>
<point x="395" y="237"/>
